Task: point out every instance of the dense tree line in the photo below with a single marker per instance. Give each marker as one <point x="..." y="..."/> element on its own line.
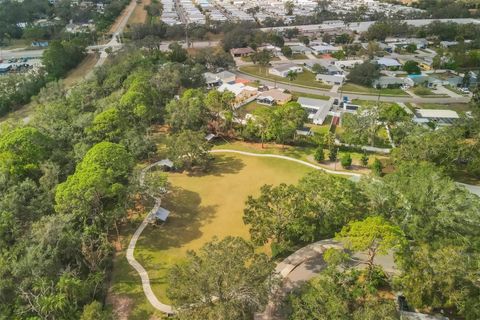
<point x="66" y="180"/>
<point x="418" y="203"/>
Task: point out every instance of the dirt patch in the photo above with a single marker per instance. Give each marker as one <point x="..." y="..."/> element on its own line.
<point x="81" y="70"/>
<point x="122" y="306"/>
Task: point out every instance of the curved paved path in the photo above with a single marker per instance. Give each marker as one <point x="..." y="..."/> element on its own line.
<point x="284" y="268"/>
<point x="147" y="289"/>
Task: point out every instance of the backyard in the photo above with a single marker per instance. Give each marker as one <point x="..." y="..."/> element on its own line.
<point x="305" y="79"/>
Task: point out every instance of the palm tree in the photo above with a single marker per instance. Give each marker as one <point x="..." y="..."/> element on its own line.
<point x="292" y="75"/>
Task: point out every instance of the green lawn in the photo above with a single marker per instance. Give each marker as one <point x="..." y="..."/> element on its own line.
<point x="202" y="206"/>
<point x="371" y="103"/>
<point x="298" y="56"/>
<point x="355" y="88"/>
<point x="304" y="79"/>
<point x="249" y="108"/>
<point x="458" y="107"/>
<point x="309" y="95"/>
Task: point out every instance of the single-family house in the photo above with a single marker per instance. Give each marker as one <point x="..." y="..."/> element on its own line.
<point x="325" y="48"/>
<point x="329" y="68"/>
<point x="226" y="76"/>
<point x="274" y="96"/>
<point x="393" y="82"/>
<point x="441" y="117"/>
<point x="241" y="52"/>
<point x="347" y="64"/>
<point x="448" y="44"/>
<point x="282" y="70"/>
<point x="217" y="79"/>
<point x="330" y="79"/>
<point x="243" y="94"/>
<point x="387" y="63"/>
<point x="317" y="109"/>
<point x="300" y="49"/>
<point x="275" y="51"/>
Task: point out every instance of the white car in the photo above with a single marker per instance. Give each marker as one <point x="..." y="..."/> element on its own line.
<point x="465" y="90"/>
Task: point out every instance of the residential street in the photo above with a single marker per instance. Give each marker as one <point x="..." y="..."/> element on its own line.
<point x="352" y="96"/>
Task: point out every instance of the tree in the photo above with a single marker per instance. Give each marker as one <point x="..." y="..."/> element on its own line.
<point x="411" y="67"/>
<point x="361" y="128"/>
<point x="264" y="57"/>
<point x="304" y="39"/>
<point x="289" y="6"/>
<point x="61" y="56"/>
<point x="332" y="154"/>
<point x="364" y="159"/>
<point x="188" y="150"/>
<point x="225" y="279"/>
<point x="177" y="52"/>
<point x="346" y="160"/>
<point x="364" y="74"/>
<point x="319" y="155"/>
<point x="292" y="75"/>
<point x="97" y="189"/>
<point x="277" y="217"/>
<point x="220" y="103"/>
<point x="373" y="234"/>
<point x="187" y="113"/>
<point x="94" y="311"/>
<point x="441" y="278"/>
<point x="22" y="150"/>
<point x="155" y="183"/>
<point x="287" y="51"/>
<point x="411" y="48"/>
<point x="285" y="120"/>
<point x="318" y="68"/>
<point x="377" y="167"/>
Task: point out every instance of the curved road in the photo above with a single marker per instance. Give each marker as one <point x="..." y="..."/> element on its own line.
<point x="285" y="268"/>
<point x="352" y="96"/>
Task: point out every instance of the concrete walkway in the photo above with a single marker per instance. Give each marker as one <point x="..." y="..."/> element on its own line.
<point x="268" y="155"/>
<point x="147" y="289"/>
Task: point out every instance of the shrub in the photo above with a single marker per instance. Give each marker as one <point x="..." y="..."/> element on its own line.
<point x="346" y="160"/>
<point x="319" y="154"/>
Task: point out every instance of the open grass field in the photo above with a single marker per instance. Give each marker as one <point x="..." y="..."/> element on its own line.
<point x="458" y="107"/>
<point x="202" y="206"/>
<point x="304" y="79"/>
<point x="139" y="15"/>
<point x="350" y="87"/>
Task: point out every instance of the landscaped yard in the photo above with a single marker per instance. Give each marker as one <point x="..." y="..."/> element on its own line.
<point x="298" y="56"/>
<point x="309" y="95"/>
<point x="305" y="79"/>
<point x="458" y="107"/>
<point x="249" y="108"/>
<point x="355" y="88"/>
<point x="202" y="206"/>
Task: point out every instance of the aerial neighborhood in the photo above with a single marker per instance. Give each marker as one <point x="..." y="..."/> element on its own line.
<point x="240" y="159"/>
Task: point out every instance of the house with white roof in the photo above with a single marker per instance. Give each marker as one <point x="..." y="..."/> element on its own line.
<point x="317" y="109"/>
<point x="391" y="82"/>
<point x="387" y="63"/>
<point x="438" y="116"/>
<point x="243" y="94"/>
<point x="324" y="48"/>
<point x="330" y="79"/>
<point x="282" y="70"/>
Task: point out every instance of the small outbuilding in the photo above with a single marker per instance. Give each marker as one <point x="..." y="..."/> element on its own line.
<point x="161" y="215"/>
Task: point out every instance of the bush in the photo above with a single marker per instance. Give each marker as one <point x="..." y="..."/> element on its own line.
<point x="364" y="159"/>
<point x="346" y="160"/>
<point x="422" y="91"/>
<point x="377" y="167"/>
<point x="319" y="154"/>
<point x="332" y="154"/>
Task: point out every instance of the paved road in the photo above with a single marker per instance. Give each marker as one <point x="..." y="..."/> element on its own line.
<point x="20" y="53"/>
<point x="352" y="96"/>
<point x="306" y="263"/>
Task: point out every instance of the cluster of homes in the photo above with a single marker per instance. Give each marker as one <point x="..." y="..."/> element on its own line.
<point x="318" y="110"/>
